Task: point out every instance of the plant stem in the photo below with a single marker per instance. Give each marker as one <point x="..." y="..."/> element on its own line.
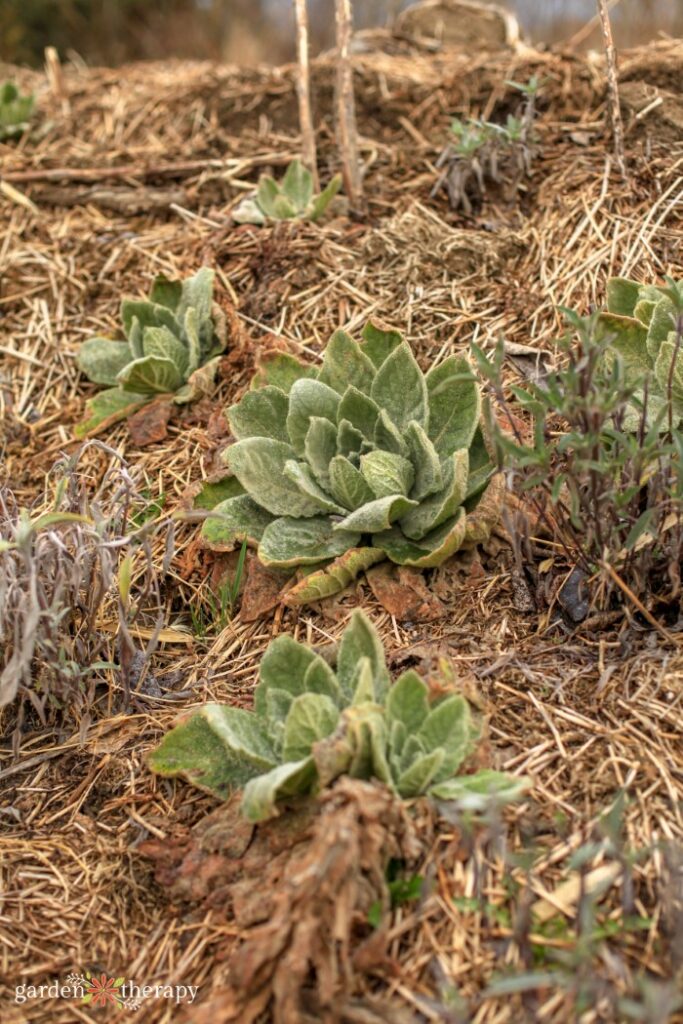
<point x="303" y="88"/>
<point x="612" y="87"/>
<point x="346" y="107"/>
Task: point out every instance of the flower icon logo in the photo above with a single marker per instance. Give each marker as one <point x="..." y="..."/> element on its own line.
<point x="103" y="991"/>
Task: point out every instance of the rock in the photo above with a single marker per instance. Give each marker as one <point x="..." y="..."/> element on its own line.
<point x="460" y="23"/>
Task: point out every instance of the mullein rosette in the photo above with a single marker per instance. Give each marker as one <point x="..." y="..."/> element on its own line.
<point x="173" y="344"/>
<point x="364" y="459"/>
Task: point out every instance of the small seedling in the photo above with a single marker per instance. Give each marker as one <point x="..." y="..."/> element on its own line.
<point x="15" y="111"/>
<point x="292" y="199"/>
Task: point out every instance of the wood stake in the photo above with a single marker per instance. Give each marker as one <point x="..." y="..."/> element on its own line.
<point x="346" y="107"/>
<point x="303" y="88"/>
<point x="612" y="87"/>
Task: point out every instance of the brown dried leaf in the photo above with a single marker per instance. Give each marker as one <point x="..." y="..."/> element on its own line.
<point x="149" y="424"/>
<point x="403" y="593"/>
<point x="262" y="589"/>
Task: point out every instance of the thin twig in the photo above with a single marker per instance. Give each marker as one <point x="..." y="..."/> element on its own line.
<point x="624" y="587"/>
<point x="612" y="87"/>
<point x="303" y="88"/>
<point x="346" y="107"/>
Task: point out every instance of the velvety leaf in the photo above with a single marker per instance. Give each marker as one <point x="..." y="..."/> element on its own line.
<point x="644" y="310"/>
<point x="349" y="440"/>
<point x="262" y="793"/>
<point x="260" y="413"/>
<point x="312" y="717"/>
<point x="242" y="733"/>
<point x="288" y="542"/>
<point x="150" y="375"/>
<point x="481" y="465"/>
<point x="448" y="727"/>
<point x="259" y="465"/>
<point x="196" y="292"/>
<point x="622" y="296"/>
<point x="345" y="365"/>
<point x="147" y="314"/>
<point x="267" y="193"/>
<point x="319" y="678"/>
<point x="333" y="578"/>
<point x="407" y="702"/>
<point x="135" y="339"/>
<point x="426" y="462"/>
<point x="428" y="552"/>
<point x="248" y="211"/>
<point x="321" y="448"/>
<point x="297" y="185"/>
<point x="360" y="640"/>
<point x="166" y="292"/>
<point x="362" y="686"/>
<point x="483" y="515"/>
<point x="101" y="360"/>
<point x="322" y="201"/>
<point x="283" y="667"/>
<point x="233" y="521"/>
<point x="278" y="703"/>
<point x="107" y="408"/>
<point x="199" y="383"/>
<point x="388" y="437"/>
<point x="399" y="388"/>
<point x="436" y="509"/>
<point x="379" y="342"/>
<point x="478" y="792"/>
<point x="670" y="351"/>
<point x="454" y="405"/>
<point x="359" y="410"/>
<point x="387" y="473"/>
<point x="663" y="321"/>
<point x="376" y="515"/>
<point x="417" y="778"/>
<point x="309" y="398"/>
<point x="628" y="337"/>
<point x="193" y="751"/>
<point x="160" y="341"/>
<point x="300" y="474"/>
<point x="212" y="493"/>
<point x="281" y="370"/>
<point x="347" y="484"/>
<point x="194" y="344"/>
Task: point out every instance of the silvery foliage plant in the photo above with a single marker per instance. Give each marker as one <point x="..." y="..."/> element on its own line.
<point x="364" y="459"/>
<point x="313" y="722"/>
<point x="645" y="325"/>
<point x="16" y="111"/>
<point x="173" y="341"/>
<point x="293" y="199"/>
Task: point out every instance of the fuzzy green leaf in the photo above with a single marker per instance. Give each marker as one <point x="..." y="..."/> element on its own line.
<point x="379" y="343"/>
<point x="321" y="202"/>
<point x="312" y="717"/>
<point x="477" y="792"/>
<point x="309" y="398"/>
<point x="166" y="292"/>
<point x="233" y="521"/>
<point x="359" y="410"/>
<point x="346" y="365"/>
<point x="454" y="405"/>
<point x="347" y="484"/>
<point x="160" y="341"/>
<point x="377" y="515"/>
<point x="321" y="448"/>
<point x="388" y="436"/>
<point x="349" y="440"/>
<point x="426" y="462"/>
<point x="107" y="408"/>
<point x="281" y="370"/>
<point x="448" y="727"/>
<point x="261" y="794"/>
<point x="297" y="185"/>
<point x="387" y="473"/>
<point x="671" y="352"/>
<point x="407" y="702"/>
<point x="399" y="388"/>
<point x="101" y="359"/>
<point x="421" y="773"/>
<point x="300" y="474"/>
<point x="628" y="337"/>
<point x="213" y="492"/>
<point x="259" y="465"/>
<point x="288" y="542"/>
<point x="439" y="507"/>
<point x="428" y="552"/>
<point x="283" y="667"/>
<point x="360" y="640"/>
<point x="242" y="733"/>
<point x="150" y="375"/>
<point x="260" y="413"/>
<point x="622" y="296"/>
<point x="662" y="322"/>
<point x="147" y="314"/>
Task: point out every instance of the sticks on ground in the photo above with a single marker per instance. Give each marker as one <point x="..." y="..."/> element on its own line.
<point x="303" y="87"/>
<point x="346" y="107"/>
<point x="612" y="88"/>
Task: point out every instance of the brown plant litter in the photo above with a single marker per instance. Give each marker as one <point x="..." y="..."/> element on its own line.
<point x="133" y="172"/>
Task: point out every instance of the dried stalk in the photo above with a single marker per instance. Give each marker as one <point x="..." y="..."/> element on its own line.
<point x="612" y="87"/>
<point x="303" y="88"/>
<point x="346" y="107"/>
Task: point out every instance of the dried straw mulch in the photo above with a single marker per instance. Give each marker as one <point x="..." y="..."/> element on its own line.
<point x="134" y="175"/>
